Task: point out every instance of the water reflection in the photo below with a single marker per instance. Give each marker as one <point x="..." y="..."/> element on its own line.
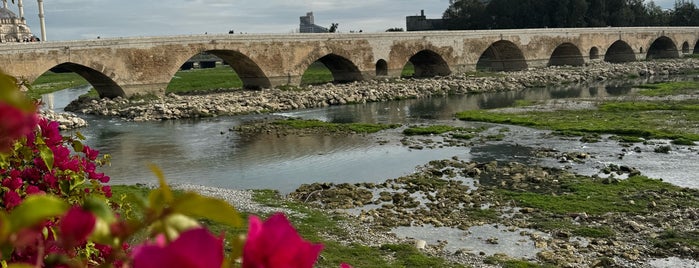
<point x="205" y="151"/>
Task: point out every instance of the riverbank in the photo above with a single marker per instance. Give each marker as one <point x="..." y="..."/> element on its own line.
<point x="172" y="106"/>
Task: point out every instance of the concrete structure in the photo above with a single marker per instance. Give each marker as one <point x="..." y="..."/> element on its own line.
<point x="127" y="66"/>
<point x="14" y="28"/>
<point x="307" y="25"/>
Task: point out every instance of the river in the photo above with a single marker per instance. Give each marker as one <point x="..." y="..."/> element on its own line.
<point x="206" y="152"/>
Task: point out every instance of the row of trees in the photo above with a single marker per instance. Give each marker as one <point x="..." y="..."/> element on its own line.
<point x="513" y="14"/>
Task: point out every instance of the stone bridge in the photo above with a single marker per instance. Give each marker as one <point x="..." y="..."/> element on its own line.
<point x="128" y="66"/>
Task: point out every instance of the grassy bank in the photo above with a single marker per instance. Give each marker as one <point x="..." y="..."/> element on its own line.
<point x="661" y="120"/>
<point x="51" y="82"/>
<point x="669" y="88"/>
<point x="334" y="127"/>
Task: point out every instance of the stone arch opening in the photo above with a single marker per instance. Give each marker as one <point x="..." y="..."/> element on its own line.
<point x="696" y="48"/>
<point x="662" y="48"/>
<point x="103" y="84"/>
<point x="341" y="69"/>
<point x="594" y="53"/>
<point x="248" y="71"/>
<point x="619" y="52"/>
<point x="426" y="63"/>
<point x="566" y="54"/>
<point x="381" y="68"/>
<point x="502" y="56"/>
<point x="685" y="47"/>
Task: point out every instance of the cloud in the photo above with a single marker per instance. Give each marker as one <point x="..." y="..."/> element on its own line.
<point x="80" y="19"/>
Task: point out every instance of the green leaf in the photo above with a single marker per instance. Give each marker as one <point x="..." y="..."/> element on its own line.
<point x="20" y="265"/>
<point x="4" y="227"/>
<point x="35" y="209"/>
<point x="10" y="94"/>
<point x="198" y="206"/>
<point x="100" y="208"/>
<point x="165" y="189"/>
<point x="46" y="155"/>
<point x="80" y="136"/>
<point x="78" y="146"/>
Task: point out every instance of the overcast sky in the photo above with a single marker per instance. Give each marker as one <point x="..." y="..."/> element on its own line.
<point x="83" y="19"/>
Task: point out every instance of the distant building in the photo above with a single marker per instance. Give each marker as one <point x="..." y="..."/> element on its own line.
<point x="308" y="25"/>
<point x="422" y="23"/>
<point x="13" y="28"/>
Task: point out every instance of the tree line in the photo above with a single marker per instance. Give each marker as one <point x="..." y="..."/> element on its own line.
<point x="514" y="14"/>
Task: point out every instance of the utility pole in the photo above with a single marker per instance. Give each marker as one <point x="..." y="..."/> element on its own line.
<point x="41" y="20"/>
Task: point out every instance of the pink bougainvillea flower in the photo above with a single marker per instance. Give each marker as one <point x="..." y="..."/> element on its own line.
<point x="90" y="153"/>
<point x="31" y="189"/>
<point x="76" y="225"/>
<point x="344" y="265"/>
<point x="13" y="183"/>
<point x="107" y="190"/>
<point x="194" y="248"/>
<point x="11" y="199"/>
<point x="14" y="123"/>
<point x="275" y="243"/>
<point x="50" y="132"/>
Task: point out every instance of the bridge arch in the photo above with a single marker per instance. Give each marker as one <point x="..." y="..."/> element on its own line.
<point x="696" y="48"/>
<point x="343" y="70"/>
<point x="685" y="47"/>
<point x="594" y="53"/>
<point x="103" y="84"/>
<point x="662" y="48"/>
<point x="248" y="71"/>
<point x="566" y="54"/>
<point x="428" y="63"/>
<point x="618" y="52"/>
<point x="381" y="68"/>
<point x="502" y="56"/>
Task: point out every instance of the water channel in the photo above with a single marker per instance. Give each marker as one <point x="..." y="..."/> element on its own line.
<point x="207" y="152"/>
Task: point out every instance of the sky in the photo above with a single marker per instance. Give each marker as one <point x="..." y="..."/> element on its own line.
<point x="87" y="19"/>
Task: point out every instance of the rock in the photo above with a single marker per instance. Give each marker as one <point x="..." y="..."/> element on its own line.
<point x="420" y="244"/>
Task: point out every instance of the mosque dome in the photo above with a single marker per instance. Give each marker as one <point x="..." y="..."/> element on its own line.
<point x="7" y="14"/>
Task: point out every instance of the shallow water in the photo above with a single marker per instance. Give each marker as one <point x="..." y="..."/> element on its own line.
<point x="205" y="152"/>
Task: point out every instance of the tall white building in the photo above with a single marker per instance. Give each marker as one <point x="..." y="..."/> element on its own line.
<point x="13" y="28"/>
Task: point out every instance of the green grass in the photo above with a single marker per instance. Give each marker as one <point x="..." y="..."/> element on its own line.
<point x="408" y="70"/>
<point x="51" y="82"/>
<point x="524" y="103"/>
<point x="669" y="88"/>
<point x="595" y="197"/>
<point x="335" y="127"/>
<point x="429" y="130"/>
<point x="671" y="239"/>
<point x="662" y="120"/>
<point x="507" y="262"/>
<point x="194" y="80"/>
<point x="317" y="73"/>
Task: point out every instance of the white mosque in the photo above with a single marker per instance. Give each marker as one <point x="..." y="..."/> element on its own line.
<point x="13" y="28"/>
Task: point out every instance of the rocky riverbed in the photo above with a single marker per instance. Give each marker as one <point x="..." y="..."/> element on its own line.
<point x="553" y="215"/>
<point x="65" y="120"/>
<point x="630" y="229"/>
<point x="174" y="106"/>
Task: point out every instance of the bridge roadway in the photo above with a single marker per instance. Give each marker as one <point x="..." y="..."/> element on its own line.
<point x="141" y="65"/>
